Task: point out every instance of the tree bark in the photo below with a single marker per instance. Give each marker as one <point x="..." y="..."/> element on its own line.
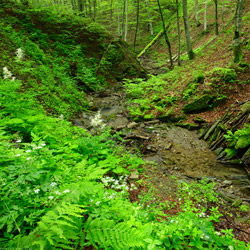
<point x="237" y="31"/>
<point x="118" y="19"/>
<point x="187" y="31"/>
<point x="205" y="16"/>
<point x="216" y="18"/>
<point x="179" y="33"/>
<point x="137" y="21"/>
<point x="196" y="13"/>
<point x="165" y="34"/>
<point x="126" y="23"/>
<point x="149" y="19"/>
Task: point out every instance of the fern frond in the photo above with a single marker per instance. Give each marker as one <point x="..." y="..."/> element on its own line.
<point x="106" y="233"/>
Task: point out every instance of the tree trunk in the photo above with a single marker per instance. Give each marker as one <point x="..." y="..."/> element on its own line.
<point x="126" y="23"/>
<point x="165" y="34"/>
<point x="137" y="21"/>
<point x="179" y="33"/>
<point x="205" y="16"/>
<point x="216" y="18"/>
<point x="149" y="20"/>
<point x="222" y="16"/>
<point x="118" y="18"/>
<point x="111" y="11"/>
<point x="237" y="31"/>
<point x="187" y="31"/>
<point x="196" y="13"/>
<point x="94" y="7"/>
<point x="123" y="18"/>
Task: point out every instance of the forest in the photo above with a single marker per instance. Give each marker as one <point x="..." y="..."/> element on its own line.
<point x="125" y="124"/>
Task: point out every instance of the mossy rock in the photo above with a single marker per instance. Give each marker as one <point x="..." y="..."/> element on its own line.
<point x="199" y="105"/>
<point x="189" y="126"/>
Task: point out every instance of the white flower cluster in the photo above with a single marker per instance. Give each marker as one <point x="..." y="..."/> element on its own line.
<point x="97" y="121"/>
<point x="19" y="54"/>
<point x="7" y="74"/>
<point x="120" y="184"/>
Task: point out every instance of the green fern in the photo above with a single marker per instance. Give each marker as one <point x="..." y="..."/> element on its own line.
<point x="107" y="233"/>
<point x="60" y="228"/>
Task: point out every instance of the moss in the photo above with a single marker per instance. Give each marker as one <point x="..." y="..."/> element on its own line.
<point x="203" y="103"/>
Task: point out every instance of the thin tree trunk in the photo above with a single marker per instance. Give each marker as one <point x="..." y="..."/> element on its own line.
<point x="179" y="33"/>
<point x="94" y="7"/>
<point x="196" y="13"/>
<point x="111" y="11"/>
<point x="149" y="19"/>
<point x="165" y="34"/>
<point x="237" y="31"/>
<point x="216" y="18"/>
<point x="123" y="18"/>
<point x="187" y="32"/>
<point x="205" y="16"/>
<point x="118" y="18"/>
<point x="222" y="15"/>
<point x="126" y="22"/>
<point x="137" y="21"/>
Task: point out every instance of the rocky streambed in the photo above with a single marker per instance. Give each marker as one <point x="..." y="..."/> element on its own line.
<point x="169" y="150"/>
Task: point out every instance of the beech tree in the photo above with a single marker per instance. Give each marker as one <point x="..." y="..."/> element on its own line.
<point x="237" y="31"/>
<point x="205" y="16"/>
<point x="179" y="33"/>
<point x="196" y="13"/>
<point x="187" y="31"/>
<point x="165" y="34"/>
<point x="216" y="17"/>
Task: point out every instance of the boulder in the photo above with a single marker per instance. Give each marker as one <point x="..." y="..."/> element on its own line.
<point x="199" y="105"/>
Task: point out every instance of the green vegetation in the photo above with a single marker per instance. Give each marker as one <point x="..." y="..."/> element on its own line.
<point x="65" y="188"/>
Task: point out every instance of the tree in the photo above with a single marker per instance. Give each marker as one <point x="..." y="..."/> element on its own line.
<point x="149" y="19"/>
<point x="179" y="33"/>
<point x="205" y="16"/>
<point x="137" y="21"/>
<point x="216" y="18"/>
<point x="165" y="34"/>
<point x="237" y="31"/>
<point x="196" y="14"/>
<point x="187" y="31"/>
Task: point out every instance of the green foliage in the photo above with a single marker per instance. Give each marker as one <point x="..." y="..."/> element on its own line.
<point x="224" y="74"/>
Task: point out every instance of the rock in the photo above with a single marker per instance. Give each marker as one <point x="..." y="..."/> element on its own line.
<point x="111" y="112"/>
<point x="237" y="202"/>
<point x="198" y="105"/>
<point x="217" y="151"/>
<point x="226" y="182"/>
<point x="245" y="190"/>
<point x="168" y="146"/>
<point x="132" y="125"/>
<point x="134" y="175"/>
<point x="119" y="122"/>
<point x="246" y="157"/>
<point x="245" y="106"/>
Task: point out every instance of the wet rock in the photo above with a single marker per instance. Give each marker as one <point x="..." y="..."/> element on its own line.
<point x="198" y="105"/>
<point x="111" y="112"/>
<point x="151" y="148"/>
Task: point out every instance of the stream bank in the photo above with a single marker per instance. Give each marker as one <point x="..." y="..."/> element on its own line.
<point x="167" y="149"/>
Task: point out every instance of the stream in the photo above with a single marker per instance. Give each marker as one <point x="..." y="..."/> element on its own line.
<point x="169" y="150"/>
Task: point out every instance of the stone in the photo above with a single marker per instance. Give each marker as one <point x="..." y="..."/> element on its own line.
<point x="134" y="175"/>
<point x="198" y="105"/>
<point x="237" y="202"/>
<point x="226" y="182"/>
<point x="168" y="146"/>
<point x="132" y="125"/>
<point x="119" y="122"/>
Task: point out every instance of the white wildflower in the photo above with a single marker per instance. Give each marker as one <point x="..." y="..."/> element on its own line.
<point x="18" y="141"/>
<point x="37" y="191"/>
<point x="57" y="192"/>
<point x="28" y="151"/>
<point x="97" y="121"/>
<point x="97" y="203"/>
<point x="202" y="214"/>
<point x="18" y="155"/>
<point x="43" y="144"/>
<point x="6" y="73"/>
<point x="66" y="191"/>
<point x="51" y="197"/>
<point x="13" y="78"/>
<point x="28" y="158"/>
<point x="53" y="184"/>
<point x="19" y="54"/>
<point x="61" y="117"/>
<point x="38" y="147"/>
<point x="218" y="233"/>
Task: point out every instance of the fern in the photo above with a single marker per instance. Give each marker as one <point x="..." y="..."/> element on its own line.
<point x="60" y="228"/>
<point x="107" y="233"/>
